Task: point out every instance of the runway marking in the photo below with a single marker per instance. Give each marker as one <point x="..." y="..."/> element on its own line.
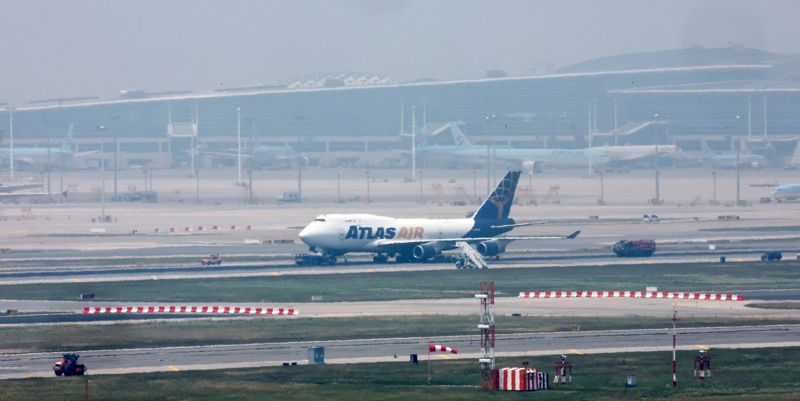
<point x="444" y="356"/>
<point x="177" y="277"/>
<point x="370" y="270"/>
<point x="556" y="264"/>
<point x="173" y="368"/>
<point x="76" y="280"/>
<point x="647" y="262"/>
<point x="29" y="375"/>
<point x="276" y="274"/>
<point x="739" y="260"/>
<point x="574" y="351"/>
<point x="702" y="347"/>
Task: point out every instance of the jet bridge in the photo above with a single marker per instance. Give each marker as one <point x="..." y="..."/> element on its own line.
<point x="471" y="259"/>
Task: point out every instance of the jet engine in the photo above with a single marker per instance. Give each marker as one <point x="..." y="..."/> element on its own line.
<point x="490" y="248"/>
<point x="425" y="251"/>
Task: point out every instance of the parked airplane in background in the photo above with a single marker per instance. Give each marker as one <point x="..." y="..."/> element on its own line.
<point x="418" y="239"/>
<point x="261" y="155"/>
<point x="11" y="192"/>
<point x="529" y="158"/>
<point x="37" y="158"/>
<point x="729" y="159"/>
<point x="786" y="192"/>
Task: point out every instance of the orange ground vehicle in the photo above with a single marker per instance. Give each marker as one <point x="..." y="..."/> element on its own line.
<point x="211" y="260"/>
<point x="69" y="366"/>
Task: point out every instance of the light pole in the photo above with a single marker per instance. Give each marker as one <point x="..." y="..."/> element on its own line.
<point x="102" y="129"/>
<point x="47" y="128"/>
<point x="339" y="186"/>
<point x="738" y="164"/>
<point x="657" y="199"/>
<point x="239" y="145"/>
<point x="714" y="178"/>
<point x="421" y="196"/>
<point x="115" y="119"/>
<point x="367" y="200"/>
<point x="11" y="141"/>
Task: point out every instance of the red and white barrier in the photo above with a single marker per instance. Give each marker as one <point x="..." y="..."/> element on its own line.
<point x="188" y="229"/>
<point x="702" y="296"/>
<point x="522" y="379"/>
<point x="441" y="348"/>
<point x="224" y="310"/>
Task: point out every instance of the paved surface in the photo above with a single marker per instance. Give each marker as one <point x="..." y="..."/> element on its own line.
<point x="385" y="349"/>
<point x="613" y="307"/>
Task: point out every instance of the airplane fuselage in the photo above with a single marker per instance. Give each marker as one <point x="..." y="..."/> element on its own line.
<point x="342" y="233"/>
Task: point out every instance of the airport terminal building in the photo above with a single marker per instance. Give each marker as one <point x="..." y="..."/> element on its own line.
<point x="700" y="94"/>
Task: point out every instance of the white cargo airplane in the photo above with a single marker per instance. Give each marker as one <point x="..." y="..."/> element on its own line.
<point x="409" y="240"/>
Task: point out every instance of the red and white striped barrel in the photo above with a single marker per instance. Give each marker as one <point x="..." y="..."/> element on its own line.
<point x="216" y="310"/>
<point x="702" y="296"/>
<point x="441" y="348"/>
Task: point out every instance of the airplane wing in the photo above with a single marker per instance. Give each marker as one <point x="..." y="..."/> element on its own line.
<point x="13" y="188"/>
<point x="398" y="243"/>
<point x="17" y="195"/>
<point x="530" y="223"/>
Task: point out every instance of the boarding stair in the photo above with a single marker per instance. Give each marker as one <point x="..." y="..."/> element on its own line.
<point x="471" y="258"/>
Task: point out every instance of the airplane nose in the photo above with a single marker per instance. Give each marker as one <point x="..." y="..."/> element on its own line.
<point x="305" y="234"/>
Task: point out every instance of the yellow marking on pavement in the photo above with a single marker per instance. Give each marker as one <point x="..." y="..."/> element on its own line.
<point x="173" y="368"/>
<point x="443" y="356"/>
<point x="76" y="280"/>
<point x="177" y="276"/>
<point x="276" y="274"/>
<point x="647" y="262"/>
<point x="556" y="264"/>
<point x="370" y="270"/>
<point x="29" y="375"/>
<point x="738" y="260"/>
<point x="702" y="347"/>
<point x="576" y="352"/>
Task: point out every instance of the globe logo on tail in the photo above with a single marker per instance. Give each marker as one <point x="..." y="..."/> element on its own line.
<point x="503" y="194"/>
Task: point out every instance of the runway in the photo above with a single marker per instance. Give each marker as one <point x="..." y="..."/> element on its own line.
<point x="56" y="312"/>
<point x="397" y="349"/>
<point x="362" y="264"/>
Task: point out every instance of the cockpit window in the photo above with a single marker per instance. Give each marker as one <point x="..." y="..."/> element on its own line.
<point x="320" y="218"/>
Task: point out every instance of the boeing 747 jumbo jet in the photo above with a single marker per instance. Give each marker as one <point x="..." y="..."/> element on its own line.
<point x="409" y="240"/>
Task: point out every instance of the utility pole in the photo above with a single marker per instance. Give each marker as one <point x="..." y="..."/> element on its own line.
<point x="714" y="177"/>
<point x="299" y="178"/>
<point x="413" y="142"/>
<point x="367" y="187"/>
<point x="738" y="164"/>
<point x="11" y="141"/>
<point x="421" y="196"/>
<point x="339" y="186"/>
<point x="616" y="134"/>
<point x="590" y="139"/>
<point x="102" y="129"/>
<point x="115" y="127"/>
<point x="47" y="128"/>
<point x="674" y="342"/>
<point x="765" y="117"/>
<point x="602" y="190"/>
<point x="239" y="145"/>
<point x="749" y="117"/>
<point x="657" y="200"/>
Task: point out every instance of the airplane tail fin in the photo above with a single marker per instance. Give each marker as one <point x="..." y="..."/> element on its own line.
<point x="458" y="136"/>
<point x="706" y="149"/>
<point x="498" y="205"/>
<point x="66" y="143"/>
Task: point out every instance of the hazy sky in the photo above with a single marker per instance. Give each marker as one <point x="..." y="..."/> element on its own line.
<point x="82" y="47"/>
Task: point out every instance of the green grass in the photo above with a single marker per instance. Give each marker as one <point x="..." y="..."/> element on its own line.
<point x="239" y="331"/>
<point x="425" y="284"/>
<point x="739" y="375"/>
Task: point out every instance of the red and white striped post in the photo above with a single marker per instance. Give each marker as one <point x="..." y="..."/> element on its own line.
<point x="674" y="335"/>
